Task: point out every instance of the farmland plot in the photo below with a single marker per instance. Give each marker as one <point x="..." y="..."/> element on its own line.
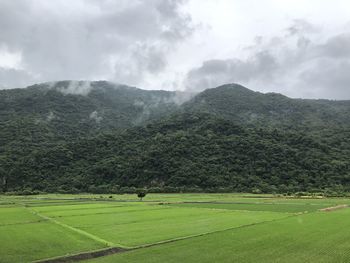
<point x="140" y="225"/>
<point x="316" y="237"/>
<point x="187" y="228"/>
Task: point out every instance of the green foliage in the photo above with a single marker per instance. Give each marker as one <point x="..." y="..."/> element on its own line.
<point x="141" y="194"/>
<point x="241" y="105"/>
<point x="189" y="152"/>
<point x="223" y="140"/>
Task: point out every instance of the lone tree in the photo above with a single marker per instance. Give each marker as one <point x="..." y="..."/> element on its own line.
<point x="141" y="194"/>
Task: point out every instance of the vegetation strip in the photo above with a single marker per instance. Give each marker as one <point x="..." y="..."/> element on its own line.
<point x="236" y="203"/>
<point x="87" y="199"/>
<point x="24" y="223"/>
<point x="106" y="213"/>
<point x="85" y="208"/>
<point x="116" y="250"/>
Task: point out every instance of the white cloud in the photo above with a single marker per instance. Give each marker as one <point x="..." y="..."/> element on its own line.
<point x="76" y="87"/>
<point x="9" y="59"/>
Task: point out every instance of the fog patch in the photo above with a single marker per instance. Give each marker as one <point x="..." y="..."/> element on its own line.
<point x="51" y="116"/>
<point x="139" y="103"/>
<point x="76" y="88"/>
<point x="182" y="96"/>
<point x="158" y="104"/>
<point x="146" y="109"/>
<point x="95" y="116"/>
<point x="46" y="118"/>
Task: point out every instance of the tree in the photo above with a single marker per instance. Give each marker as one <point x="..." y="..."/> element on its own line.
<point x="141" y="194"/>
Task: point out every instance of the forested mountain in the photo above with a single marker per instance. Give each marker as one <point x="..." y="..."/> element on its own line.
<point x="102" y="137"/>
<point x="71" y="109"/>
<point x="241" y="105"/>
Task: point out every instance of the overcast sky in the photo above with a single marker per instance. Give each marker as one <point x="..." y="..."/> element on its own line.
<point x="295" y="47"/>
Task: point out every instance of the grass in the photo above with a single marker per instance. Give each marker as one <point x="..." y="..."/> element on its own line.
<point x="150" y="224"/>
<point x="16" y="215"/>
<point x="28" y="242"/>
<point x="213" y="228"/>
<point x="273" y="207"/>
<point x="73" y="207"/>
<point x="316" y="237"/>
<point x="93" y="210"/>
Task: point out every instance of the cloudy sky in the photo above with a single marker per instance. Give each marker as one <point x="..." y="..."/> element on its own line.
<point x="295" y="47"/>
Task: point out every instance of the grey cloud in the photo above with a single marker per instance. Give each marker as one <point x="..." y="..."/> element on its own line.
<point x="150" y="58"/>
<point x="141" y="59"/>
<point x="213" y="73"/>
<point x="301" y="27"/>
<point x="337" y="47"/>
<point x="328" y="78"/>
<point x="294" y="65"/>
<point x="58" y="42"/>
<point x="15" y="78"/>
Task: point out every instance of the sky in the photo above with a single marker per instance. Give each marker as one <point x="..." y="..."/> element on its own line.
<point x="295" y="47"/>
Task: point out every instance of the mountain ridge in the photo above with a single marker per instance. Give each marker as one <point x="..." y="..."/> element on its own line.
<point x="239" y="104"/>
<point x="118" y="137"/>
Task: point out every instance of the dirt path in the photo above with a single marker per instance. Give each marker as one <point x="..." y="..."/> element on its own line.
<point x="83" y="256"/>
<point x="333" y="208"/>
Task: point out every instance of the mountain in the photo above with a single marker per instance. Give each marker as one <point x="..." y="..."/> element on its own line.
<point x="68" y="110"/>
<point x="193" y="153"/>
<point x="241" y="105"/>
<point x="102" y="137"/>
<point x="69" y="107"/>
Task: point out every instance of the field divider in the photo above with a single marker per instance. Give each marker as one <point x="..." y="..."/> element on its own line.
<point x="24" y="223"/>
<point x="106" y="213"/>
<point x="333" y="208"/>
<point x="77" y="230"/>
<point x="83" y="255"/>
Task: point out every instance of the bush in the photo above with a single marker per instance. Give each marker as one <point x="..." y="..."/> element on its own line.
<point x="141" y="194"/>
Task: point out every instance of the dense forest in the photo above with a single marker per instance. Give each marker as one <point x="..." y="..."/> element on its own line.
<point x="106" y="138"/>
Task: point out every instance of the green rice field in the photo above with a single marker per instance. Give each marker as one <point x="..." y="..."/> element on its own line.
<point x="173" y="228"/>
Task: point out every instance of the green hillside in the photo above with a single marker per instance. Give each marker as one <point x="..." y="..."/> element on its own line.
<point x="189" y="152"/>
<point x="67" y="110"/>
<point x="106" y="137"/>
<point x="241" y="105"/>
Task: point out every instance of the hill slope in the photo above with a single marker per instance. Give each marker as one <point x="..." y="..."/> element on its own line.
<point x="188" y="151"/>
<point x="98" y="136"/>
<point x="239" y="104"/>
<point x="66" y="105"/>
<point x="67" y="110"/>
